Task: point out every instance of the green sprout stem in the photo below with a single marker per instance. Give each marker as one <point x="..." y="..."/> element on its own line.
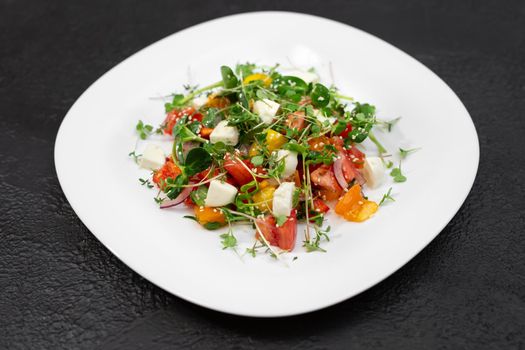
<point x="197" y="92"/>
<point x="378" y="144"/>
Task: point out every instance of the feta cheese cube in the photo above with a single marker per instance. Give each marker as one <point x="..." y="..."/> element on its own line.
<point x="220" y="194"/>
<point x="152" y="158"/>
<point x="229" y="135"/>
<point x="200" y="101"/>
<point x="308" y="77"/>
<point x="290" y="162"/>
<point x="266" y="109"/>
<point x="283" y="199"/>
<point x="374" y="171"/>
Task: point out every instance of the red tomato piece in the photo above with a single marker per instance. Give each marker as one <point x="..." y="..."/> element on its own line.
<point x="168" y="170"/>
<point x="173" y="116"/>
<point x="356" y="156"/>
<point x="296" y="120"/>
<point x="346" y="131"/>
<point x="349" y="171"/>
<point x="267" y="227"/>
<point x="324" y="177"/>
<point x="287" y="233"/>
<point x="197" y="116"/>
<point x="238" y="170"/>
<point x="320" y="206"/>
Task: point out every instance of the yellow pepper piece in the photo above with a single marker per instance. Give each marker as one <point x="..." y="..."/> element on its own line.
<point x="264" y="197"/>
<point x="255" y="149"/>
<point x="258" y="76"/>
<point x="274" y="140"/>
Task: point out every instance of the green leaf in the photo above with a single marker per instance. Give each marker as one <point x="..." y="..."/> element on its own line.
<point x="398" y="175"/>
<point x="199" y="195"/>
<point x="212" y="225"/>
<point x="296" y="147"/>
<point x="173" y="187"/>
<point x="177" y="101"/>
<point x="197" y="160"/>
<point x="210" y="119"/>
<point x="251" y="251"/>
<point x="144" y="130"/>
<point x="312" y="247"/>
<point x="290" y="87"/>
<point x="320" y="96"/>
<point x="245" y="69"/>
<point x="387" y="197"/>
<point x="257" y="160"/>
<point x="280" y="220"/>
<point x="145" y="182"/>
<point x="339" y="127"/>
<point x="228" y="77"/>
<point x="405" y="152"/>
<point x="228" y="241"/>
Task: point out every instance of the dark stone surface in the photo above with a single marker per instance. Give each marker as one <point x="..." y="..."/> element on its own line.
<point x="60" y="288"/>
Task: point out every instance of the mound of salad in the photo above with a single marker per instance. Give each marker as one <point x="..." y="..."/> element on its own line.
<point x="270" y="150"/>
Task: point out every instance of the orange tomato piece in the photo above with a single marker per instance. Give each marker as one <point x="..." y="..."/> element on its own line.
<point x="318" y="143"/>
<point x="208" y="217"/>
<point x="206" y="132"/>
<point x="353" y="207"/>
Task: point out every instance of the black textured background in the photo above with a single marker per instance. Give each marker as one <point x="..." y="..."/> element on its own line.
<point x="60" y="288"/>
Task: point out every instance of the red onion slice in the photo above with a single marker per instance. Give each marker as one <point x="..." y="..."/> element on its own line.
<point x="339" y="175"/>
<point x="359" y="177"/>
<point x="338" y="172"/>
<point x="178" y="200"/>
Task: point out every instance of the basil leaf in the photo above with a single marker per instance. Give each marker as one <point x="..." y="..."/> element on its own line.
<point x="290" y="87"/>
<point x="197" y="160"/>
<point x="229" y="79"/>
<point x="320" y="96"/>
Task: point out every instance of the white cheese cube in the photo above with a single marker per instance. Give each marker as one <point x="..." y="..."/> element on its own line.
<point x="290" y="162"/>
<point x="322" y="118"/>
<point x="283" y="199"/>
<point x="152" y="158"/>
<point x="220" y="194"/>
<point x="229" y="135"/>
<point x="308" y="77"/>
<point x="200" y="101"/>
<point x="266" y="109"/>
<point x="374" y="171"/>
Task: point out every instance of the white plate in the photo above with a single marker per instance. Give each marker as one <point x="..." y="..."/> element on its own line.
<point x="100" y="181"/>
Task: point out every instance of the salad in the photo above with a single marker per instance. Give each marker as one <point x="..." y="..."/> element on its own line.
<point x="269" y="149"/>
